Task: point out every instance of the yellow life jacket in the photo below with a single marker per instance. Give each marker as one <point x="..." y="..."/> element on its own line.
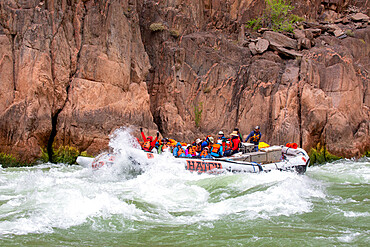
<point x="255" y="138"/>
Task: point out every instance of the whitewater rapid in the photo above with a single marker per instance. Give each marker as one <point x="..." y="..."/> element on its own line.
<point x="121" y="199"/>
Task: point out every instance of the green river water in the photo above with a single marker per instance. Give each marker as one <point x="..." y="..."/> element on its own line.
<point x="60" y="205"/>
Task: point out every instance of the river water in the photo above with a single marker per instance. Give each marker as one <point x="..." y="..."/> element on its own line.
<point x="60" y="205"/>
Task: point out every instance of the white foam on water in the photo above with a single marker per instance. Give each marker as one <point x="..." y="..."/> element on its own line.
<point x="348" y="237"/>
<point x="41" y="199"/>
<point x="343" y="171"/>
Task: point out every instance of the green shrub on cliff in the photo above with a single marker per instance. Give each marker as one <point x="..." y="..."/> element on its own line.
<point x="198" y="113"/>
<point x="154" y="27"/>
<point x="175" y="33"/>
<point x="63" y="154"/>
<point x="8" y="160"/>
<point x="277" y="16"/>
<point x="320" y="155"/>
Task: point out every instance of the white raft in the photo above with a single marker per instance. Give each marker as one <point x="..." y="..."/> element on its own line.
<point x="268" y="159"/>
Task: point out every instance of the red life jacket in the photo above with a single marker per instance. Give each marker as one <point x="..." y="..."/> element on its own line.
<point x="234" y="144"/>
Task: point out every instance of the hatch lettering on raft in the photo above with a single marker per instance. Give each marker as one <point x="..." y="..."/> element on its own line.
<point x="202" y="166"/>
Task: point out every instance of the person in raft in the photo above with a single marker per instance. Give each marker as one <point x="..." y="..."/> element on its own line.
<point x="164" y="147"/>
<point x="221" y="136"/>
<point x="216" y="150"/>
<point x="234" y="144"/>
<point x="178" y="151"/>
<point x="239" y="136"/>
<point x="205" y="153"/>
<point x="148" y="144"/>
<point x="208" y="142"/>
<point x="190" y="151"/>
<point x="255" y="137"/>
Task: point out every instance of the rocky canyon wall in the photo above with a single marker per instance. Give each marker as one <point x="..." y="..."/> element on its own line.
<point x="71" y="72"/>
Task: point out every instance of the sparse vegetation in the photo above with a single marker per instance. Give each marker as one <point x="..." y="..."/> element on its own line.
<point x="155" y="27"/>
<point x="207" y="90"/>
<point x="350" y="33"/>
<point x="198" y="109"/>
<point x="63" y="154"/>
<point x="255" y="24"/>
<point x="175" y="33"/>
<point x="320" y="155"/>
<point x="277" y="16"/>
<point x="8" y="160"/>
<point x="296" y="18"/>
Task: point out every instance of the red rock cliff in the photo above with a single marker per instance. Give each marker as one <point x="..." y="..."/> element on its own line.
<point x="71" y="72"/>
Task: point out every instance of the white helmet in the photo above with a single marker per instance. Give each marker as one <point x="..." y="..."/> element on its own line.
<point x="220" y="132"/>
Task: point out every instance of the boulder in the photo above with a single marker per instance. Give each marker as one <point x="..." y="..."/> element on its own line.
<point x="252" y="48"/>
<point x="329" y="15"/>
<point x="338" y="32"/>
<point x="299" y="34"/>
<point x="285" y="52"/>
<point x="279" y="39"/>
<point x="360" y="17"/>
<point x="315" y="31"/>
<point x="262" y="45"/>
<point x="304" y="44"/>
<point x="335" y="30"/>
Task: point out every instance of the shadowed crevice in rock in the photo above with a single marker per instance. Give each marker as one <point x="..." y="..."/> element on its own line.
<point x="13" y="57"/>
<point x="54" y="121"/>
<point x="73" y="73"/>
<point x="299" y="113"/>
<point x="54" y="131"/>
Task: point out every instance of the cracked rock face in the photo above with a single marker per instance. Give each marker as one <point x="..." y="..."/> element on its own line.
<point x="71" y="72"/>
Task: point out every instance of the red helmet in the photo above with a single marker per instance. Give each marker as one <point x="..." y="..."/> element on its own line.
<point x="150" y="138"/>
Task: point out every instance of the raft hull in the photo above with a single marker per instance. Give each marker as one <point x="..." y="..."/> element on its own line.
<point x="296" y="160"/>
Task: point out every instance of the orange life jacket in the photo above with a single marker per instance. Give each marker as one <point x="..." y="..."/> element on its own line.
<point x="204" y="153"/>
<point x="147" y="145"/>
<point x="198" y="147"/>
<point x="164" y="146"/>
<point x="215" y="148"/>
<point x="191" y="151"/>
<point x="180" y="151"/>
